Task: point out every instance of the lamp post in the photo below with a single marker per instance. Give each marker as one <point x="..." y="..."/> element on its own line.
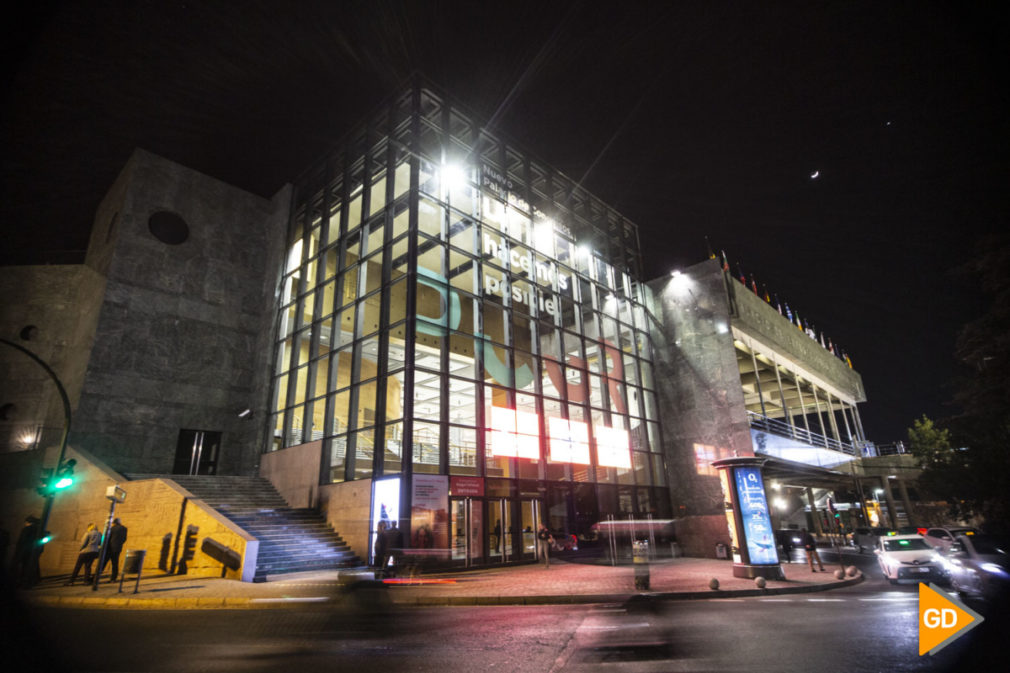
<point x="49" y="495"/>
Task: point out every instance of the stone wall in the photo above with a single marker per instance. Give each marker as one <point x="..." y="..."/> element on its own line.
<point x="156" y="512"/>
<point x="184" y="336"/>
<point x="700" y="394"/>
<point x="62" y="303"/>
<point x="698" y="535"/>
<point x="346" y="507"/>
<point x="294" y="472"/>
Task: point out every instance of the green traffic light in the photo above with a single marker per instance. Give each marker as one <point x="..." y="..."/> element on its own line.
<point x="63" y="483"/>
<point x="45" y="539"/>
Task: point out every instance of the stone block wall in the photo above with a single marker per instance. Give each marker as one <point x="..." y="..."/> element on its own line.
<point x="156" y="512"/>
<point x="62" y="303"/>
<point x="184" y="338"/>
<point x="346" y="507"/>
<point x="294" y="472"/>
<point x="700" y="394"/>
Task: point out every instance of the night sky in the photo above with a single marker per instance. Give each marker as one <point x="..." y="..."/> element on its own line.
<point x="695" y="120"/>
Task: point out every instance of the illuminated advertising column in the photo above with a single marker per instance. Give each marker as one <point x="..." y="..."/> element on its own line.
<point x="750" y="525"/>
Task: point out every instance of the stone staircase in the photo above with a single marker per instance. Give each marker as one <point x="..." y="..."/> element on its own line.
<point x="291" y="540"/>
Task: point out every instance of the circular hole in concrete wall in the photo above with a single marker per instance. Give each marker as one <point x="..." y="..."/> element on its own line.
<point x="168" y="228"/>
<point x="28" y="332"/>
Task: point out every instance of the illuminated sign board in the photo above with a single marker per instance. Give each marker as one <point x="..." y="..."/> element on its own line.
<point x="569" y="440"/>
<point x="516" y="434"/>
<point x="757" y="524"/>
<point x="612" y="447"/>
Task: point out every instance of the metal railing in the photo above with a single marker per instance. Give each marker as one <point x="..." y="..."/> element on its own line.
<point x="784" y="429"/>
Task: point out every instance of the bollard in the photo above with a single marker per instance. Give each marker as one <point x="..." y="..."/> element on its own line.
<point x="640" y="557"/>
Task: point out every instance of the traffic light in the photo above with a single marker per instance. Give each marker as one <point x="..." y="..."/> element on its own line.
<point x="65" y="477"/>
<point x="834" y="511"/>
<point x="52" y="480"/>
<point x="45" y="482"/>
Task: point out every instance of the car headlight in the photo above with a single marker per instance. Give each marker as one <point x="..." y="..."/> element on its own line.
<point x="994" y="569"/>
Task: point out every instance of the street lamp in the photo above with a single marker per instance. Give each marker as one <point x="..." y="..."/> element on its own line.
<point x="63" y="470"/>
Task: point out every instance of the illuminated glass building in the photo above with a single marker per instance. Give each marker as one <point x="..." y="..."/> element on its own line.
<point x="455" y="316"/>
<point x="430" y="326"/>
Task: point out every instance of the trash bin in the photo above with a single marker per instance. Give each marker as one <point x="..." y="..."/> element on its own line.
<point x="133" y="563"/>
<point x="721" y="550"/>
<point x="640" y="557"/>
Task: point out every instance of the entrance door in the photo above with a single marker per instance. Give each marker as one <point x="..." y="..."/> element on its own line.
<point x="466" y="531"/>
<point x="196" y="452"/>
<point x="500" y="530"/>
<point x="529" y="511"/>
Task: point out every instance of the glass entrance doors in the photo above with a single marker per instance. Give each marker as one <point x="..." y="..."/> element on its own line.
<point x="196" y="452"/>
<point x="501" y="530"/>
<point x="465" y="532"/>
<point x="530" y="513"/>
<point x="504" y="533"/>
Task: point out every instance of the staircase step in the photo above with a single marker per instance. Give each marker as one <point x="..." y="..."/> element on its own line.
<point x="291" y="539"/>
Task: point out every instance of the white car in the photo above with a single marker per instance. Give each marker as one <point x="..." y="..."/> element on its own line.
<point x="908" y="557"/>
<point x="944" y="537"/>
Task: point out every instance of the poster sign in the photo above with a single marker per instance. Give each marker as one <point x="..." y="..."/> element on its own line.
<point x="757" y="524"/>
<point x="727" y="495"/>
<point x="385" y="506"/>
<point x="429" y="512"/>
<point x="466" y="487"/>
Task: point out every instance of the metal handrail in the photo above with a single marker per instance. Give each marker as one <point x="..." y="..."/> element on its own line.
<point x="784" y="429"/>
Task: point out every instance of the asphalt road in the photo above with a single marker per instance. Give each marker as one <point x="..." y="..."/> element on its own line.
<point x="869" y="627"/>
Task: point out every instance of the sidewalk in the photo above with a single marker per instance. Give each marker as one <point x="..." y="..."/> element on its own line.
<point x="564" y="582"/>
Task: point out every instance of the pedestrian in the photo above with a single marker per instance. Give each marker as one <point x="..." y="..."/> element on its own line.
<point x="544" y="542"/>
<point x="786" y="537"/>
<point x="380" y="547"/>
<point x="117" y="538"/>
<point x="25" y="566"/>
<point x="393" y="545"/>
<point x="91" y="545"/>
<point x="810" y="544"/>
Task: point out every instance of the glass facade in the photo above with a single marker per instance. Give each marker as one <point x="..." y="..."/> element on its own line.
<point x="451" y="306"/>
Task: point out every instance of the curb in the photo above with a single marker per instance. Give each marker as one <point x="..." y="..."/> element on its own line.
<point x="244" y="603"/>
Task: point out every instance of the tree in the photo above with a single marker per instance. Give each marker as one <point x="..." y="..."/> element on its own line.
<point x="928" y="442"/>
<point x="946" y="471"/>
<point x="967" y="462"/>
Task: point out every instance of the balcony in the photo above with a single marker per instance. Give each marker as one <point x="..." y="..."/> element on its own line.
<point x="782" y="429"/>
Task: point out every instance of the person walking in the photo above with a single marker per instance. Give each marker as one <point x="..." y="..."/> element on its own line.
<point x="393" y="546"/>
<point x="544" y="542"/>
<point x="117" y="538"/>
<point x="786" y="538"/>
<point x="810" y="544"/>
<point x="91" y="545"/>
<point x="379" y="549"/>
<point x="25" y="565"/>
